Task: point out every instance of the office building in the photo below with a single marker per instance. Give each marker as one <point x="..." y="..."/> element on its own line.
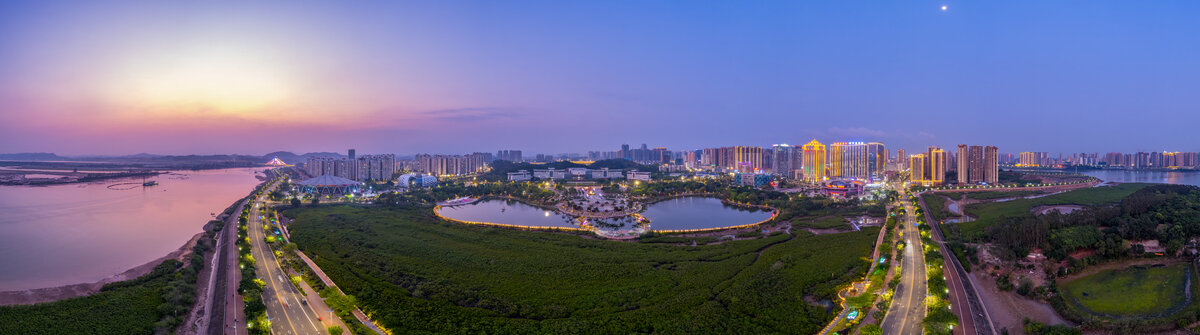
<point x="877" y="157"/>
<point x="848" y="160"/>
<point x="813" y="158"/>
<point x="747" y="159"/>
<point x="784" y="159"/>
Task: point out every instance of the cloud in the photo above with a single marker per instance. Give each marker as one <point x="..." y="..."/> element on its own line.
<point x="472" y="114"/>
<point x="857" y="131"/>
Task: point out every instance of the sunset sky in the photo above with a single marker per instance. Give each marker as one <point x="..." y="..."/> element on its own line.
<point x="178" y="77"/>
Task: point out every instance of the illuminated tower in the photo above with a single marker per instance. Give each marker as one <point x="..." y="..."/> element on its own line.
<point x="813" y="161"/>
<point x="747" y="159"/>
<point x="936" y="165"/>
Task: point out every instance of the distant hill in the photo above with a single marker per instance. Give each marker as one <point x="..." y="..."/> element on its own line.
<point x="32" y="156"/>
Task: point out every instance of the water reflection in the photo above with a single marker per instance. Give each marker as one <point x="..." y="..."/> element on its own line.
<point x="674" y="214"/>
<point x="1135" y="176"/>
<point x="77" y="233"/>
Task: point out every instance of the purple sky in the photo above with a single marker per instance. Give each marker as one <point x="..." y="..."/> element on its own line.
<point x="101" y="77"/>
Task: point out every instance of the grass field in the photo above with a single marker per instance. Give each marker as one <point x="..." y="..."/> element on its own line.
<point x="1134" y="291"/>
<point x="937" y="206"/>
<point x="828" y="222"/>
<point x="417" y="274"/>
<point x="1001" y="194"/>
<point x="987" y="213"/>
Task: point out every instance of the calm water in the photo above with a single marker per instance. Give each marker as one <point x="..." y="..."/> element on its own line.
<point x="1124" y="176"/>
<point x="699" y="213"/>
<point x="81" y="233"/>
<point x="507" y="212"/>
<point x="681" y="213"/>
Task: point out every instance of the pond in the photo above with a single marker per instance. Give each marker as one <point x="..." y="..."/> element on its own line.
<point x="674" y="214"/>
<point x="700" y="213"/>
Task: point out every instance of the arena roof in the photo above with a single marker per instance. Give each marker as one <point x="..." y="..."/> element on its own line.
<point x="327" y="180"/>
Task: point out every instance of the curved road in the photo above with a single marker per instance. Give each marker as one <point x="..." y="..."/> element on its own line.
<point x="908" y="304"/>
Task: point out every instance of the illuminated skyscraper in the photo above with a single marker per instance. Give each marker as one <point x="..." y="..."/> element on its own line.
<point x="936" y="165"/>
<point x="917" y="168"/>
<point x="848" y="160"/>
<point x="876" y="159"/>
<point x="747" y="159"/>
<point x="901" y="159"/>
<point x="813" y="159"/>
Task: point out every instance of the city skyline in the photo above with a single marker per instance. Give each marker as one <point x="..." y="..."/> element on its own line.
<point x="417" y="77"/>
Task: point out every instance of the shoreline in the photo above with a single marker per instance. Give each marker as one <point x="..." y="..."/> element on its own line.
<point x="63" y="292"/>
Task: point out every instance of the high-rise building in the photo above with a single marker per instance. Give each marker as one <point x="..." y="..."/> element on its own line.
<point x="918" y="170"/>
<point x="991" y="165"/>
<point x="782" y="159"/>
<point x="963" y="164"/>
<point x="936" y="165"/>
<point x="876" y="159"/>
<point x="369" y="167"/>
<point x="901" y="159"/>
<point x="849" y="160"/>
<point x="747" y="159"/>
<point x="509" y="155"/>
<point x="813" y="158"/>
<point x="975" y="164"/>
<point x="443" y="165"/>
<point x="351" y="154"/>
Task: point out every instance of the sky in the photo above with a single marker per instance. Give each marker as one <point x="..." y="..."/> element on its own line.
<point x="207" y="77"/>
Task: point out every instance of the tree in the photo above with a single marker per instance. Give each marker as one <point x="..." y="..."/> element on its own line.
<point x="295" y="202"/>
<point x="872" y="330"/>
<point x="316" y="201"/>
<point x="335" y="330"/>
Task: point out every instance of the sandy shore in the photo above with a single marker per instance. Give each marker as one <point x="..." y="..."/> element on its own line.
<point x="33" y="296"/>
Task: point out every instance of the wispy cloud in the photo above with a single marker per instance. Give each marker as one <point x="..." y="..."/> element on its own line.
<point x="472" y="114"/>
<point x="857" y="131"/>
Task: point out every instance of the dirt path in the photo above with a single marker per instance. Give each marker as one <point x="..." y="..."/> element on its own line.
<point x="33" y="296"/>
<point x="1008" y="309"/>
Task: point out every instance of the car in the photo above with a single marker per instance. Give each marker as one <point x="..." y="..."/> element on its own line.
<point x="304" y="301"/>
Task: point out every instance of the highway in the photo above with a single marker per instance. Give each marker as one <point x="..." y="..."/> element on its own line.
<point x="908" y="304"/>
<point x="286" y="309"/>
<point x="228" y="318"/>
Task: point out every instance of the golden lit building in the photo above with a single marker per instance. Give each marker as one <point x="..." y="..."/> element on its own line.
<point x="917" y="165"/>
<point x="747" y="159"/>
<point x="937" y="165"/>
<point x="849" y="160"/>
<point x="813" y="161"/>
<point x="928" y="168"/>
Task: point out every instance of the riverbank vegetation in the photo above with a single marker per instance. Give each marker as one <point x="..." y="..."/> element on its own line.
<point x="155" y="303"/>
<point x="415" y="273"/>
<point x="988" y="214"/>
<point x="1122" y="229"/>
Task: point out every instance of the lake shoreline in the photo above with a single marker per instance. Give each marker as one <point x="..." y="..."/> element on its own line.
<point x="63" y="292"/>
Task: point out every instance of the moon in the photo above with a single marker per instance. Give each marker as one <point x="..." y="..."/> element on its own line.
<point x="943" y="8"/>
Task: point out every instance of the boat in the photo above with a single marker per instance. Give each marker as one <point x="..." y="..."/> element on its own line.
<point x="150" y="183"/>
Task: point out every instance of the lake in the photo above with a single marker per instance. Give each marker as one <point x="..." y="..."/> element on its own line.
<point x="674" y="214"/>
<point x="1135" y="176"/>
<point x="80" y="233"/>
